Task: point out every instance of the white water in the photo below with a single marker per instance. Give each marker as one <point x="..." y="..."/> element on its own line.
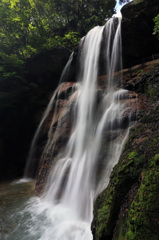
<point x="82" y="150"/>
<point x="79" y="175"/>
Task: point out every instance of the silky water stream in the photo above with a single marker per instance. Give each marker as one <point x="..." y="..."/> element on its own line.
<point x="68" y="215"/>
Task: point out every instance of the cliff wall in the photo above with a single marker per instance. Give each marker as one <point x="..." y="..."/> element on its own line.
<point x="138" y="41"/>
<point x="128" y="208"/>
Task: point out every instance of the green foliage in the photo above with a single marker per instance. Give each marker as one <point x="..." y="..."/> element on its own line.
<point x="132" y="155"/>
<point x="138" y="222"/>
<point x="30" y="26"/>
<point x="10" y="66"/>
<point x="79" y="14"/>
<point x="71" y="39"/>
<point x="141" y="223"/>
<point x="155" y="160"/>
<point x="124" y="174"/>
<point x="156" y="26"/>
<point x="103" y="214"/>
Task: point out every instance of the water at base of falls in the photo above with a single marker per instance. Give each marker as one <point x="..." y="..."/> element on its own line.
<point x="68" y="215"/>
<point x="42" y="221"/>
<point x="28" y="218"/>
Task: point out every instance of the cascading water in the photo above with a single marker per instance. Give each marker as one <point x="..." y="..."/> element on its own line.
<point x="81" y="153"/>
<point x="78" y="151"/>
<point x="83" y="169"/>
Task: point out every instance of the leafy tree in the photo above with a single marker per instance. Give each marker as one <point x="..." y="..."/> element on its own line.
<point x="81" y="15"/>
<point x="10" y="66"/>
<point x="29" y="26"/>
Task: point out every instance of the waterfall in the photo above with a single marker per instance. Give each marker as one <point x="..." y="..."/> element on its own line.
<point x="78" y="151"/>
<point x="80" y="158"/>
<point x="99" y="132"/>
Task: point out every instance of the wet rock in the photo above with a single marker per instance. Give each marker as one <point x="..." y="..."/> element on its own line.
<point x="60" y="120"/>
<point x="57" y="127"/>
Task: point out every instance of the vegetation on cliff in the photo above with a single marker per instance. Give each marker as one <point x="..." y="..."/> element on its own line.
<point x="128" y="208"/>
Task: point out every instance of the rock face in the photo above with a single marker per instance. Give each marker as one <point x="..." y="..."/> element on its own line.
<point x="128" y="208"/>
<point x="56" y="131"/>
<point x="137" y="31"/>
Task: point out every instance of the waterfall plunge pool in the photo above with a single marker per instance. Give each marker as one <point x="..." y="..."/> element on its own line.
<point x="23" y="216"/>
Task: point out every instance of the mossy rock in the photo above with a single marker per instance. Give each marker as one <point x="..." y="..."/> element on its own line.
<point x="107" y="205"/>
<point x="128" y="208"/>
<point x="142" y="221"/>
<point x="141" y="215"/>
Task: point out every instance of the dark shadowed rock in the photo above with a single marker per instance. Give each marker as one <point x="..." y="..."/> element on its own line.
<point x="138" y="41"/>
<point x="46" y="67"/>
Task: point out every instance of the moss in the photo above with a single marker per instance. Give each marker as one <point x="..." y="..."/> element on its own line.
<point x="108" y="203"/>
<point x="102" y="215"/>
<point x="135" y="166"/>
<point x="132" y="155"/>
<point x="141" y="222"/>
